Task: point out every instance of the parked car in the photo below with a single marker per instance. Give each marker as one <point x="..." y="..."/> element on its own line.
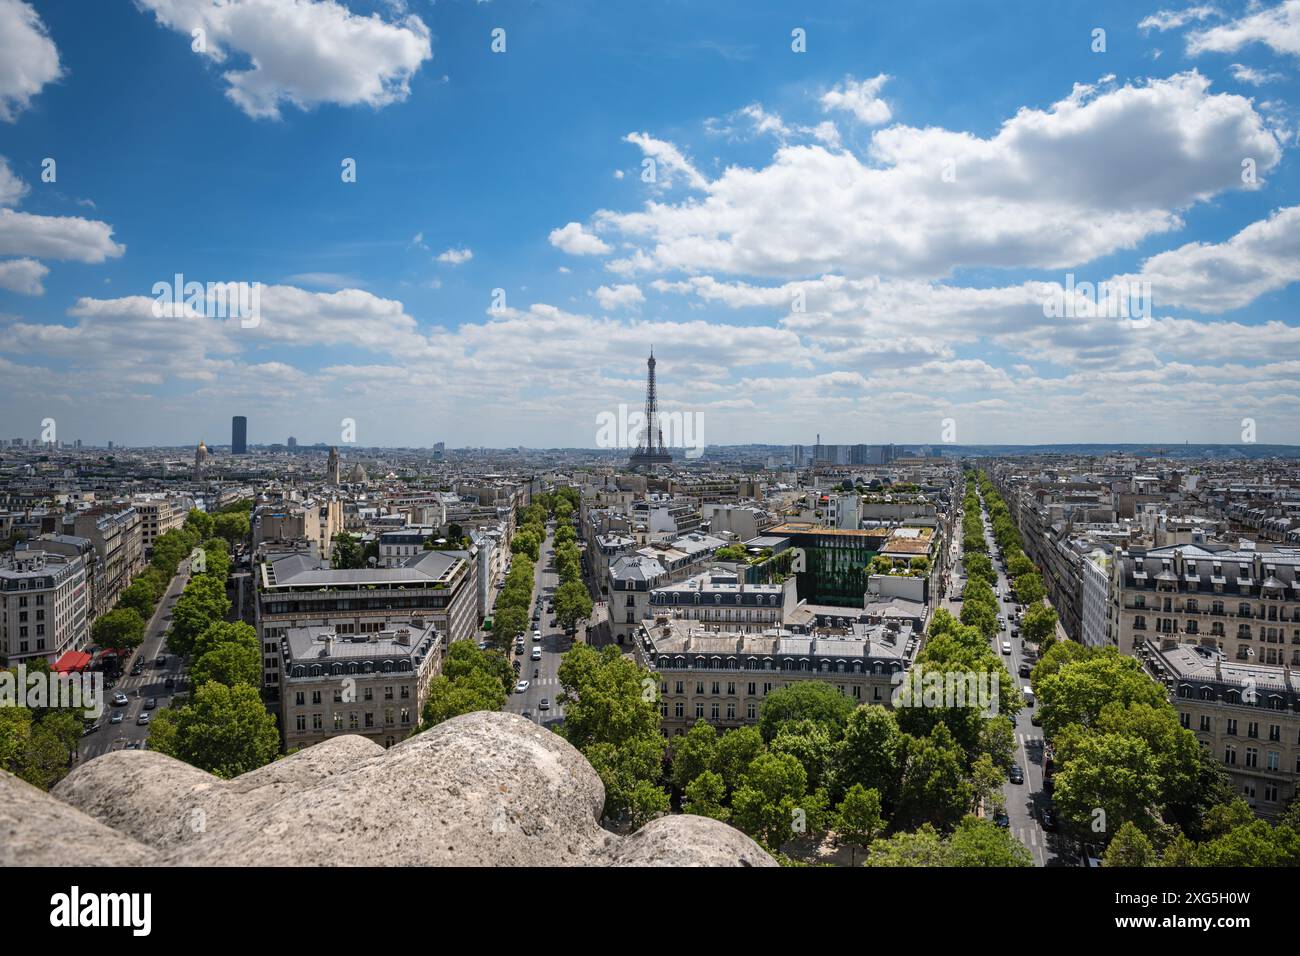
<point x="1049" y="819"/>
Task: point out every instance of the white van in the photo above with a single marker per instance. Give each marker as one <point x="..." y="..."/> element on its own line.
<point x="1028" y="693"/>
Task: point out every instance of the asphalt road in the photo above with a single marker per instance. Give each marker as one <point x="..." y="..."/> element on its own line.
<point x="553" y="643"/>
<point x="150" y="683"/>
<point x="1024" y="802"/>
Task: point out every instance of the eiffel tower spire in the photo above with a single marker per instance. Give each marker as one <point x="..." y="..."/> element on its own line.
<point x="651" y="451"/>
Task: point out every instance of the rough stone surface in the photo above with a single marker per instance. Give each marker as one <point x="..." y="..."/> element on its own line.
<point x="485" y="789"/>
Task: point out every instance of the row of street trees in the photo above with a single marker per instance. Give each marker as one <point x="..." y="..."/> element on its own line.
<point x="572" y="599"/>
<point x="224" y="728"/>
<point x="1038" y="624"/>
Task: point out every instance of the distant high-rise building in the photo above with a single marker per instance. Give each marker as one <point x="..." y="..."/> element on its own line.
<point x="293" y="443"/>
<point x="239" y="435"/>
<point x="439" y="451"/>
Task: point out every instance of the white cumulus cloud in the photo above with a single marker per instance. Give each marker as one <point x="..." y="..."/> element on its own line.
<point x="577" y="241"/>
<point x="303" y="52"/>
<point x="861" y="98"/>
<point x="28" y="57"/>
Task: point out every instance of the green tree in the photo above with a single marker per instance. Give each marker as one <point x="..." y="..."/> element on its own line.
<point x="705" y="796"/>
<point x="202" y="603"/>
<point x="226" y="633"/>
<point x="647" y="802"/>
<point x="934" y="788"/>
<point x="347" y="552"/>
<point x="120" y="628"/>
<point x="767" y="802"/>
<point x="623" y="769"/>
<point x="1130" y="847"/>
<point x="607" y="698"/>
<point x="1112" y="772"/>
<point x="223" y="730"/>
<point x="811" y="700"/>
<point x="694" y="753"/>
<point x="233" y="528"/>
<point x="572" y="603"/>
<point x="464" y="657"/>
<point x="48" y="751"/>
<point x="201" y="523"/>
<point x="228" y="664"/>
<point x="871" y="754"/>
<point x="471" y="691"/>
<point x="880" y="565"/>
<point x="807" y="742"/>
<point x="169" y="549"/>
<point x="986" y="779"/>
<point x="1077" y="692"/>
<point x="737" y="749"/>
<point x="978" y="842"/>
<point x="1038" y="623"/>
<point x="858" y="818"/>
<point x="140" y="596"/>
<point x="998" y="741"/>
<point x="922" y="847"/>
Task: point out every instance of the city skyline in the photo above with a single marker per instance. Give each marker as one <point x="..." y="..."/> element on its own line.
<point x="502" y="283"/>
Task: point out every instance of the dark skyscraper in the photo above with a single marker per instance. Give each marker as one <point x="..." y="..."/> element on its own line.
<point x="239" y="435"/>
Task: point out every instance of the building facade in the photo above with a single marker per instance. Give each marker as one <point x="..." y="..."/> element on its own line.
<point x="1245" y="603"/>
<point x="44" y="605"/>
<point x="295" y="591"/>
<point x="371" y="684"/>
<point x="1247" y="715"/>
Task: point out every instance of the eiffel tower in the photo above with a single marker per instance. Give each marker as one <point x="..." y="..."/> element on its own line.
<point x="651" y="452"/>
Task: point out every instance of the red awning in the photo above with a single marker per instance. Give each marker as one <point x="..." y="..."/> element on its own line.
<point x="72" y="661"/>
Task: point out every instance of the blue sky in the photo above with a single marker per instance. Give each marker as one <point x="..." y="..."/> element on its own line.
<point x="919" y="180"/>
